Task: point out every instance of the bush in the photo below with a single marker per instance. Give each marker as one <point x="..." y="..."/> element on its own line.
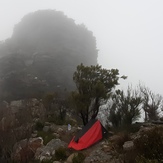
<point x="79" y="158"/>
<point x="46" y="136"/>
<point x="150" y="144"/>
<point x="60" y="154"/>
<point x="39" y="126"/>
<point x="120" y="139"/>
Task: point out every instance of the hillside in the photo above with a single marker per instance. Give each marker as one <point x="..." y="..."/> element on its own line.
<point x="42" y="54"/>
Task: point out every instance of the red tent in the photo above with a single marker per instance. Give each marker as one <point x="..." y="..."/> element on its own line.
<point x="89" y="135"/>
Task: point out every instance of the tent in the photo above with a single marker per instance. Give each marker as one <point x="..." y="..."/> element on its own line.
<point x="91" y="133"/>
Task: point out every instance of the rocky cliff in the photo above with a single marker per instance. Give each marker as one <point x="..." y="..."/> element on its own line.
<point x="42" y="54"/>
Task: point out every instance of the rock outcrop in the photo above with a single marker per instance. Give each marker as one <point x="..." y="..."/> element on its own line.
<point x="43" y="53"/>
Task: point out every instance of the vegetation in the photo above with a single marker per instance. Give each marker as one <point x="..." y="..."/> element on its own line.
<point x="60" y="153"/>
<point x="79" y="158"/>
<point x="39" y="126"/>
<point x="39" y="61"/>
<point x="93" y="84"/>
<point x="56" y="107"/>
<point x="125" y="108"/>
<point x="152" y="104"/>
<point x="150" y="144"/>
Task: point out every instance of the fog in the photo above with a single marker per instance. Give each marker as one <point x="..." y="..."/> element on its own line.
<point x="129" y="34"/>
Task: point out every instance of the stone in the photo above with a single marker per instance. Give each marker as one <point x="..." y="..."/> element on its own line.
<point x="107" y="148"/>
<point x="46" y="152"/>
<point x="34" y="135"/>
<point x="128" y="145"/>
<point x="47" y="124"/>
<point x="98" y="156"/>
<point x="69" y="159"/>
<point x="56" y="135"/>
<point x="60" y="130"/>
<point x="46" y="128"/>
<point x="25" y="149"/>
<point x="35" y="143"/>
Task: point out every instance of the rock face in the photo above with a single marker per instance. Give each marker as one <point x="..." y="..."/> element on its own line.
<point x="128" y="145"/>
<point x="24" y="150"/>
<point x="12" y="113"/>
<point x="46" y="152"/>
<point x="43" y="52"/>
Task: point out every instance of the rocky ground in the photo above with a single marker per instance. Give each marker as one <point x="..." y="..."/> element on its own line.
<point x="48" y="142"/>
<point x="103" y="151"/>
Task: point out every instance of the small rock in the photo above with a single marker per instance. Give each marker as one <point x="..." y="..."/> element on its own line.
<point x="56" y="135"/>
<point x="46" y="128"/>
<point x="69" y="159"/>
<point x="47" y="123"/>
<point x="128" y="145"/>
<point x="60" y="130"/>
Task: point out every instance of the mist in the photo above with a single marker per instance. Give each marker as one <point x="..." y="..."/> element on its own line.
<point x="128" y="34"/>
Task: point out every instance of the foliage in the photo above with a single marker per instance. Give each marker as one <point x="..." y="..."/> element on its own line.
<point x="93" y="84"/>
<point x="125" y="108"/>
<point x="46" y="136"/>
<point x="56" y="107"/>
<point x="60" y="153"/>
<point x="152" y="103"/>
<point x="150" y="144"/>
<point x="79" y="158"/>
<point x="39" y="126"/>
<point x="48" y="99"/>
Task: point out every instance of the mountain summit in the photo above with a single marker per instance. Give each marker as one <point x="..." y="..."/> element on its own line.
<point x="42" y="54"/>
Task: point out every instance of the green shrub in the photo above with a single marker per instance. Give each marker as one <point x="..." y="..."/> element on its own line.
<point x="39" y="126"/>
<point x="46" y="136"/>
<point x="56" y="119"/>
<point x="79" y="158"/>
<point x="150" y="144"/>
<point x="60" y="153"/>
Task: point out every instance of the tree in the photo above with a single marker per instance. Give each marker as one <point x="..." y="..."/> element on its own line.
<point x="125" y="108"/>
<point x="152" y="103"/>
<point x="93" y="84"/>
<point x="56" y="106"/>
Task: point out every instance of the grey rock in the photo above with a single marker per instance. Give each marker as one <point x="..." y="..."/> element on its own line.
<point x="46" y="128"/>
<point x="128" y="145"/>
<point x="46" y="152"/>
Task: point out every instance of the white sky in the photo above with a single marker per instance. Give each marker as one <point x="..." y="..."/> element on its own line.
<point x="129" y="33"/>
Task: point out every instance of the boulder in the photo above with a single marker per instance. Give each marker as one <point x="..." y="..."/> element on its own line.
<point x="24" y="150"/>
<point x="35" y="143"/>
<point x="128" y="145"/>
<point x="69" y="159"/>
<point x="98" y="156"/>
<point x="46" y="152"/>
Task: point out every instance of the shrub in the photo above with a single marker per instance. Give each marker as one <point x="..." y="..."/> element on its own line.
<point x="60" y="154"/>
<point x="150" y="144"/>
<point x="120" y="139"/>
<point x="39" y="126"/>
<point x="79" y="158"/>
<point x="46" y="136"/>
